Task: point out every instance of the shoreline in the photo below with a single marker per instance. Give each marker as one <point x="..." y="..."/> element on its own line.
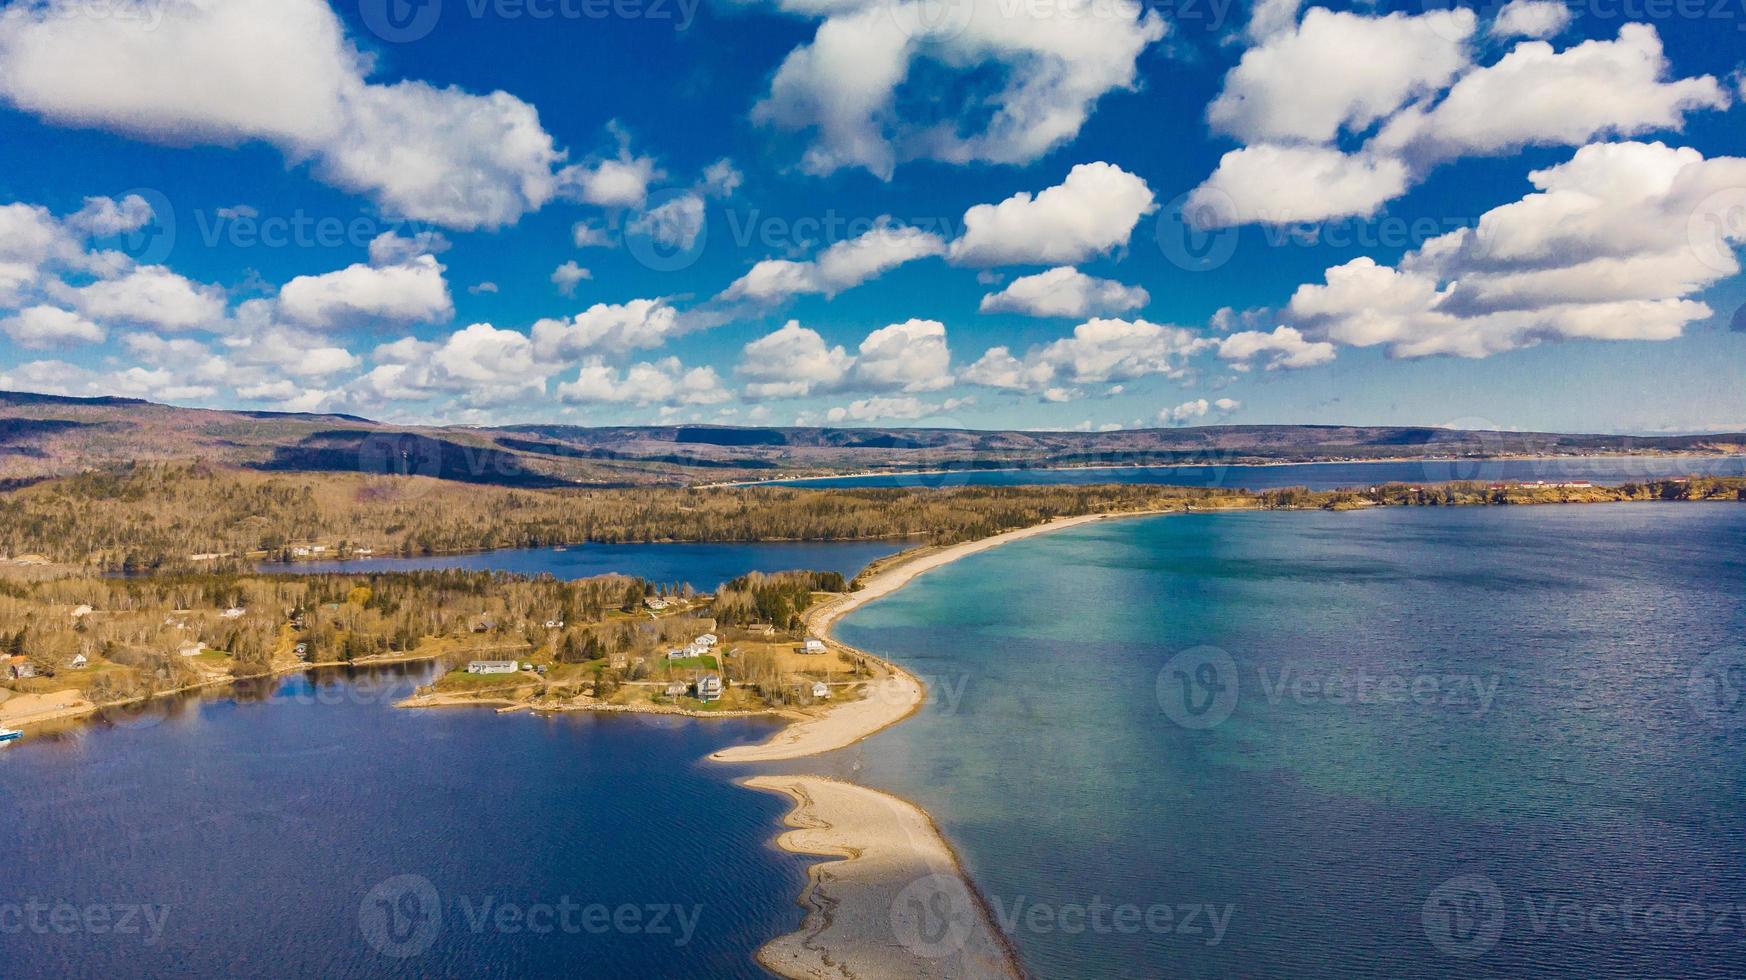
<point x="790" y="481"/>
<point x="875" y="910"/>
<point x="895" y="901"/>
<point x="898" y="694"/>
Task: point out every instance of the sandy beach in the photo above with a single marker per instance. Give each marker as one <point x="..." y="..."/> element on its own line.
<point x="35" y="709"/>
<point x="894" y="904"/>
<point x="895" y="694"/>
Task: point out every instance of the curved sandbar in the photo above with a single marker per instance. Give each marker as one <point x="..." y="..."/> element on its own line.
<point x="895" y="694"/>
<point x="896" y="903"/>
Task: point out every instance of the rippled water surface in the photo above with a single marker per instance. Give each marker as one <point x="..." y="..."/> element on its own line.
<point x="308" y="829"/>
<point x="1474" y="742"/>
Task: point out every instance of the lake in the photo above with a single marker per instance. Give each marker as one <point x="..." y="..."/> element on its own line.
<point x="704" y="566"/>
<point x="1318" y="476"/>
<point x="305" y="828"/>
<point x="1390" y="743"/>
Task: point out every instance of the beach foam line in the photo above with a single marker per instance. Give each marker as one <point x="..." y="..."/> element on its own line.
<point x="895" y="903"/>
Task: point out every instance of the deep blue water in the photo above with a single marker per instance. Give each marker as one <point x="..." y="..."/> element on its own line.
<point x="265" y="832"/>
<point x="704" y="566"/>
<point x="1320" y="476"/>
<point x="1368" y="836"/>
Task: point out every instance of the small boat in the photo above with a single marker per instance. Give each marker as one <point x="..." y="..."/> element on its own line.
<point x="8" y="735"/>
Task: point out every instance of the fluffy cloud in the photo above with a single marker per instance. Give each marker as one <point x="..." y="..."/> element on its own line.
<point x="613" y="328"/>
<point x="1189" y="411"/>
<point x="1530" y="18"/>
<point x="1294" y="95"/>
<point x="675" y="224"/>
<point x="620" y="182"/>
<point x="282" y="71"/>
<point x="911" y="355"/>
<point x="1537" y="96"/>
<point x="1339" y="71"/>
<point x="1055" y="60"/>
<point x="1091" y="213"/>
<point x="843" y="265"/>
<point x="41" y="327"/>
<point x="413" y="291"/>
<point x="792" y="362"/>
<point x="153" y="296"/>
<point x="663" y="382"/>
<point x="1284" y="347"/>
<point x="1064" y="291"/>
<point x="1611" y="246"/>
<point x="1099" y="350"/>
<point x="906" y="408"/>
<point x="1285" y="184"/>
<point x="567" y="276"/>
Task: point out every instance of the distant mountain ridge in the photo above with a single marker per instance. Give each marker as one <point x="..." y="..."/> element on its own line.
<point x="50" y="435"/>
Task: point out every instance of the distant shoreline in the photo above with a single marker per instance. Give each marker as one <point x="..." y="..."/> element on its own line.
<point x="1268" y="464"/>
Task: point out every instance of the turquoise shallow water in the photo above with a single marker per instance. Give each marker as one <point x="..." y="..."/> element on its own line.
<point x="1478" y="742"/>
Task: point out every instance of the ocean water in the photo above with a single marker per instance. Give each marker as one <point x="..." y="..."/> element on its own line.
<point x="308" y="829"/>
<point x="1320" y="476"/>
<point x="1391" y="743"/>
<point x="704" y="566"/>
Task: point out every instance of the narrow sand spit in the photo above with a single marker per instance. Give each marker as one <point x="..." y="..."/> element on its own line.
<point x="895" y="904"/>
<point x="893" y="695"/>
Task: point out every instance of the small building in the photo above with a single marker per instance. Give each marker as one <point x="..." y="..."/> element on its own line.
<point x="678" y="653"/>
<point x="676" y="689"/>
<point x="554" y="624"/>
<point x="18" y="668"/>
<point x="761" y="629"/>
<point x="813" y="645"/>
<point x="493" y="667"/>
<point x="709" y="687"/>
<point x="193" y="648"/>
<point x="234" y="612"/>
<point x="821" y="690"/>
<point x="707" y="640"/>
<point x="81" y="611"/>
<point x="79" y="662"/>
<point x="656" y="603"/>
<point x="619" y="661"/>
<point x="301" y="650"/>
<point x="484" y="624"/>
<point x="300" y="552"/>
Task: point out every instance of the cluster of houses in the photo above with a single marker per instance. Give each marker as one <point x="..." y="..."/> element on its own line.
<point x="20" y="668"/>
<point x="699" y="647"/>
<point x="1543" y="485"/>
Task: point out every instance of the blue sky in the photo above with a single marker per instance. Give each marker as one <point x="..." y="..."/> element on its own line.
<point x="982" y="213"/>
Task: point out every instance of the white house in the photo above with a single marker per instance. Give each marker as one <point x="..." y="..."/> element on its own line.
<point x="300" y="552"/>
<point x="493" y="667"/>
<point x="813" y="645"/>
<point x="820" y="690"/>
<point x="676" y="689"/>
<point x="706" y="641"/>
<point x="19" y="668"/>
<point x="78" y="662"/>
<point x="234" y="612"/>
<point x="709" y="687"/>
<point x="554" y="624"/>
<point x="193" y="648"/>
